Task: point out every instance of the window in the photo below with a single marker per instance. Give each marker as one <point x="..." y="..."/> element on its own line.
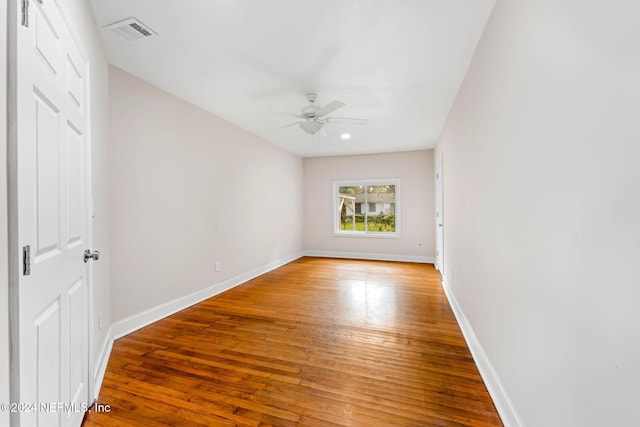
<point x="380" y="198"/>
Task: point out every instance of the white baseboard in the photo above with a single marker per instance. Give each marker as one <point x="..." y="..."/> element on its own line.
<point x="504" y="405"/>
<point x="132" y="323"/>
<point x="371" y="256"/>
<point x="103" y="360"/>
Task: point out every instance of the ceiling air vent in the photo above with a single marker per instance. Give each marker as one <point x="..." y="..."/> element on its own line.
<point x="130" y="29"/>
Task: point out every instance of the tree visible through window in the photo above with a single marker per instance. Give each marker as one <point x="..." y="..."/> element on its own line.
<point x="381" y="200"/>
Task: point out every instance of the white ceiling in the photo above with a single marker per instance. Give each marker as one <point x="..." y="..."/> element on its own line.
<point x="397" y="63"/>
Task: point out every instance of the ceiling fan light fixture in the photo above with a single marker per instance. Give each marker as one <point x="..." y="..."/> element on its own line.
<point x="311" y="126"/>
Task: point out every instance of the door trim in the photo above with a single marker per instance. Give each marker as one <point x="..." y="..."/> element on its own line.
<point x="4" y="220"/>
<point x="12" y="190"/>
<point x="439" y="205"/>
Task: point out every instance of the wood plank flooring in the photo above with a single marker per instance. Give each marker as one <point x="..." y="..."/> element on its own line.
<point x="317" y="342"/>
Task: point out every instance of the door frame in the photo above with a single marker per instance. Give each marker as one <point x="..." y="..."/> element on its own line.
<point x="4" y="220"/>
<point x="14" y="257"/>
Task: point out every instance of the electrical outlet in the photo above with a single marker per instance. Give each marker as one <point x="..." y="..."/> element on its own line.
<point x="100" y="321"/>
<point x="218" y="266"/>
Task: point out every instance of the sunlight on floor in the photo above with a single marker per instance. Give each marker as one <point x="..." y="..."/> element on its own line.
<point x="370" y="303"/>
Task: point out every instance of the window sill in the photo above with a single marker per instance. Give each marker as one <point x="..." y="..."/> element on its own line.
<point x="368" y="235"/>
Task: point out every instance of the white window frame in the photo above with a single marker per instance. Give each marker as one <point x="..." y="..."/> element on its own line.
<point x="366" y="182"/>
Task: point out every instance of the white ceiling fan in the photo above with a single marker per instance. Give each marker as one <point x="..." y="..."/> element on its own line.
<point x="314" y="117"/>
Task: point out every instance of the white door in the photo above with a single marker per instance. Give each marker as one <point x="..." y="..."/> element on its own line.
<point x="53" y="216"/>
<point x="439" y="217"/>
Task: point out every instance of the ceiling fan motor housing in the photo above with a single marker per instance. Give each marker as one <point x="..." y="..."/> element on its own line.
<point x="310" y="111"/>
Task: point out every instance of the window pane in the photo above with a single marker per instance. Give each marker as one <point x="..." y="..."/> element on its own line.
<point x="350" y="201"/>
<point x="382" y="219"/>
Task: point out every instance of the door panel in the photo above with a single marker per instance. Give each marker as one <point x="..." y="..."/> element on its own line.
<point x="47" y="164"/>
<point x="74" y="82"/>
<point x="75" y="186"/>
<point x="47" y="43"/>
<point x="77" y="367"/>
<point x="47" y="327"/>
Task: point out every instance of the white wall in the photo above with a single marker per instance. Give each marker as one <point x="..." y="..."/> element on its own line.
<point x="414" y="168"/>
<point x="187" y="189"/>
<point x="542" y="207"/>
<point x="4" y="236"/>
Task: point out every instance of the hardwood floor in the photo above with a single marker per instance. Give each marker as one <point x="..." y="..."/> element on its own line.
<point x="318" y="342"/>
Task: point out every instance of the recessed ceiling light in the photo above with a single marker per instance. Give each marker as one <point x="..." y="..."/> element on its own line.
<point x="345" y="136"/>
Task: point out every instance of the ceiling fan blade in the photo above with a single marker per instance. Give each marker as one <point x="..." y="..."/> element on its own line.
<point x="347" y="121"/>
<point x="330" y="108"/>
<point x="286" y="126"/>
<point x="284" y="113"/>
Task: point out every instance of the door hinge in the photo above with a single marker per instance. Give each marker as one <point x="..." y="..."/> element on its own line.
<point x="26" y="260"/>
<point x="25" y="13"/>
